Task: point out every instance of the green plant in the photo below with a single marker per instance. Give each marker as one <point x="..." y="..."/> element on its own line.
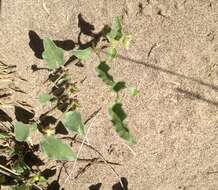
<point x="66" y="102"/>
<point x="15" y="171"/>
<point x="71" y="119"/>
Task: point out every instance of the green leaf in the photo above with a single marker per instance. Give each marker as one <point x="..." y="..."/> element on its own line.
<point x="118" y="86"/>
<point x="133" y="91"/>
<point x="116" y="30"/>
<point x="83" y="54"/>
<point x="20" y="167"/>
<point x="102" y="72"/>
<point x="112" y="53"/>
<point x="73" y="122"/>
<point x="117" y="116"/>
<point x="44" y="98"/>
<point x="40" y="180"/>
<point x="55" y="149"/>
<point x="53" y="55"/>
<point x="126" y="40"/>
<point x="22" y="131"/>
<point x="21" y="187"/>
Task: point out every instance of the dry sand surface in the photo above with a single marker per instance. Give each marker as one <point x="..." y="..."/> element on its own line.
<point x="172" y="60"/>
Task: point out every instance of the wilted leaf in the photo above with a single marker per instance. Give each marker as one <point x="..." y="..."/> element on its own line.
<point x="112" y="53"/>
<point x="53" y="55"/>
<point x="116" y="30"/>
<point x="44" y="98"/>
<point x="102" y="72"/>
<point x="55" y="149"/>
<point x="118" y="86"/>
<point x="73" y="122"/>
<point x="83" y="54"/>
<point x="22" y="131"/>
<point x="117" y="117"/>
<point x="133" y="91"/>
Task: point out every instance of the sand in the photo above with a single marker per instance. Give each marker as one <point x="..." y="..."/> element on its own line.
<point x="172" y="60"/>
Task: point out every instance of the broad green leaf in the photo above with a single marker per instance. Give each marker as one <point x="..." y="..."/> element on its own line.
<point x="20" y="167"/>
<point x="116" y="30"/>
<point x="102" y="72"/>
<point x="83" y="54"/>
<point x="44" y="98"/>
<point x="117" y="116"/>
<point x="133" y="91"/>
<point x="53" y="55"/>
<point x="21" y="131"/>
<point x="21" y="187"/>
<point x="55" y="149"/>
<point x="119" y="86"/>
<point x="73" y="122"/>
<point x="112" y="53"/>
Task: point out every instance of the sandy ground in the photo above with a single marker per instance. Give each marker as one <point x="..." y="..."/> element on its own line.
<point x="175" y="119"/>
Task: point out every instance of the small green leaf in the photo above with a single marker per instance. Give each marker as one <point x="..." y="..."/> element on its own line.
<point x="111" y="53"/>
<point x="133" y="91"/>
<point x="119" y="86"/>
<point x="83" y="54"/>
<point x="118" y="116"/>
<point x="126" y="40"/>
<point x="55" y="149"/>
<point x="21" y="187"/>
<point x="53" y="55"/>
<point x="20" y="167"/>
<point x="116" y="30"/>
<point x="38" y="179"/>
<point x="22" y="131"/>
<point x="44" y="98"/>
<point x="102" y="72"/>
<point x="73" y="122"/>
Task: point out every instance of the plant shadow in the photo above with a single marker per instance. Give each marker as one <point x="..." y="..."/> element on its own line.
<point x="36" y="44"/>
<point x="54" y="185"/>
<point x="4" y="117"/>
<point x="118" y="186"/>
<point x="86" y="28"/>
<point x="95" y="187"/>
<point x="23" y="115"/>
<point x="193" y="95"/>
